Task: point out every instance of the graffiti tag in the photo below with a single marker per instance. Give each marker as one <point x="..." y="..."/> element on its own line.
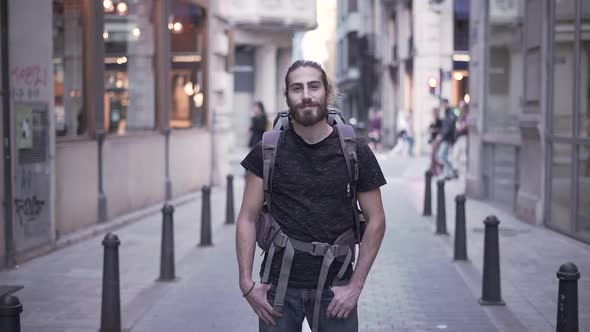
<point x="32" y="76"/>
<point x="28" y="209"/>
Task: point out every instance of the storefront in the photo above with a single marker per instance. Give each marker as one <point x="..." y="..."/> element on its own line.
<point x="108" y="108"/>
<point x="568" y="120"/>
<point x="530" y="121"/>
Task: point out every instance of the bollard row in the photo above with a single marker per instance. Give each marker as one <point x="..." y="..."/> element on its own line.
<point x="206" y="218"/>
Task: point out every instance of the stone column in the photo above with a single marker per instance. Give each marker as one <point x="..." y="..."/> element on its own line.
<point x="264" y="76"/>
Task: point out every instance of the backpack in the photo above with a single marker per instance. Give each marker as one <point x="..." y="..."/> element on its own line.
<point x="269" y="235"/>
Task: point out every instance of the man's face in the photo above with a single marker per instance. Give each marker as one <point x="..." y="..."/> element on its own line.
<point x="306" y="96"/>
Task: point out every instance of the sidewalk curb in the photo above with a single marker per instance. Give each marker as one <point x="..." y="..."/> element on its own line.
<point x="96" y="230"/>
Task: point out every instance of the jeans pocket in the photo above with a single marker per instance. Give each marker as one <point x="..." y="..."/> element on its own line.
<point x="327" y="295"/>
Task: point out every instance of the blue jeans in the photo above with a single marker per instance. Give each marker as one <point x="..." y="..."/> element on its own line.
<point x="299" y="304"/>
<point x="445" y="148"/>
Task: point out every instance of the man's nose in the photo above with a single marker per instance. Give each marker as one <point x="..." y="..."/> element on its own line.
<point x="306" y="94"/>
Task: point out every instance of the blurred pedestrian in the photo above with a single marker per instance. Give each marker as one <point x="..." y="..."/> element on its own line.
<point x="460" y="146"/>
<point x="258" y="123"/>
<point x="435" y="128"/>
<point x="375" y="131"/>
<point x="310" y="215"/>
<point x="447" y="138"/>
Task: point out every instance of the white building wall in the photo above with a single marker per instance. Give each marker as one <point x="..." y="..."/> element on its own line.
<point x="269" y="27"/>
<point x="433" y="40"/>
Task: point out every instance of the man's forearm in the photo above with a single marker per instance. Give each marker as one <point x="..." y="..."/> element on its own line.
<point x="369" y="248"/>
<point x="245" y="248"/>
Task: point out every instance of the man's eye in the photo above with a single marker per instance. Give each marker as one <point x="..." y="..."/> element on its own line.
<point x="296" y="89"/>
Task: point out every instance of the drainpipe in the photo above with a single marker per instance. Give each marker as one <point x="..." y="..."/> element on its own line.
<point x="10" y="260"/>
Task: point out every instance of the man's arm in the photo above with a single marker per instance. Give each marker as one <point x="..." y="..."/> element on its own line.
<point x="246" y="247"/>
<point x="346" y="297"/>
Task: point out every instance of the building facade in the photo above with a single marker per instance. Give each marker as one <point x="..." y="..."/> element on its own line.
<point x="529" y="146"/>
<point x="263" y="34"/>
<point x="110" y="109"/>
<point x="427" y="59"/>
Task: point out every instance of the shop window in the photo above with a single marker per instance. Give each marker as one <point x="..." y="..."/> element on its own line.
<point x="505" y="69"/>
<point x="187" y="35"/>
<point x="129" y="80"/>
<point x="564" y="67"/>
<point x="561" y="185"/>
<point x="71" y="117"/>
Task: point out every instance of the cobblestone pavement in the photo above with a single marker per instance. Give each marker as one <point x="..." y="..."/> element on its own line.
<point x="413" y="286"/>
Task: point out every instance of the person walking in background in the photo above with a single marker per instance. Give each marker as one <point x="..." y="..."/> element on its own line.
<point x="460" y="146"/>
<point x="375" y="131"/>
<point x="258" y="123"/>
<point x="435" y="140"/>
<point x="447" y="137"/>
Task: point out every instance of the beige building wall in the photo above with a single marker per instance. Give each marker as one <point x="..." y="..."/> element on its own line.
<point x="133" y="172"/>
<point x="433" y="40"/>
<point x="76" y="185"/>
<point x="190" y="160"/>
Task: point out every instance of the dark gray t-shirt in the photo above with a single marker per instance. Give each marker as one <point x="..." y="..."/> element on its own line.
<point x="309" y="198"/>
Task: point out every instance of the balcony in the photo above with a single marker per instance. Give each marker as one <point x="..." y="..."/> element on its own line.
<point x="274" y="15"/>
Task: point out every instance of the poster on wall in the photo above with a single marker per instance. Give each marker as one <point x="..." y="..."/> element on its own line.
<point x="24" y="126"/>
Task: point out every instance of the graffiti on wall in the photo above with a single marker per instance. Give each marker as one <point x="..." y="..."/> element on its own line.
<point x="28" y="211"/>
<point x="32" y="208"/>
<point x="28" y="81"/>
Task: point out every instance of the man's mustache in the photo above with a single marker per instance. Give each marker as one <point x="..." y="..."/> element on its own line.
<point x="303" y="105"/>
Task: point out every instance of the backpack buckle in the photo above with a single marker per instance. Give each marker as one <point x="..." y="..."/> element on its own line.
<point x="281" y="240"/>
<point x="319" y="248"/>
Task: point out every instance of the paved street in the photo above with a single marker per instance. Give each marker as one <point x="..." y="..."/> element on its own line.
<point x="414" y="285"/>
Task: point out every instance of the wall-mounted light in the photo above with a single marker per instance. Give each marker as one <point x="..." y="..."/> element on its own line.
<point x="467" y="98"/>
<point x="108" y="6"/>
<point x="177" y="27"/>
<point x="122" y="8"/>
<point x="188" y="88"/>
<point x="198" y="99"/>
<point x="105" y="35"/>
<point x="458" y="76"/>
<point x="136" y="32"/>
<point x="432" y="83"/>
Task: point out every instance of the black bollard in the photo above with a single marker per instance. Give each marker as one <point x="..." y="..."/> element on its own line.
<point x="206" y="218"/>
<point x="110" y="315"/>
<point x="229" y="203"/>
<point x="427" y="194"/>
<point x="441" y="212"/>
<point x="460" y="233"/>
<point x="167" y="245"/>
<point x="10" y="310"/>
<point x="491" y="294"/>
<point x="567" y="298"/>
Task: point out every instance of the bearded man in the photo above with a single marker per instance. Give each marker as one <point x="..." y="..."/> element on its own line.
<point x="311" y="201"/>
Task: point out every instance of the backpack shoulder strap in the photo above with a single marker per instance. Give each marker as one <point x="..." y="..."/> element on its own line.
<point x="282" y="121"/>
<point x="334" y="117"/>
<point x="348" y="144"/>
<point x="270" y="141"/>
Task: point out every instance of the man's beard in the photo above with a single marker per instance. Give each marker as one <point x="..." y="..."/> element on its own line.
<point x="308" y="118"/>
